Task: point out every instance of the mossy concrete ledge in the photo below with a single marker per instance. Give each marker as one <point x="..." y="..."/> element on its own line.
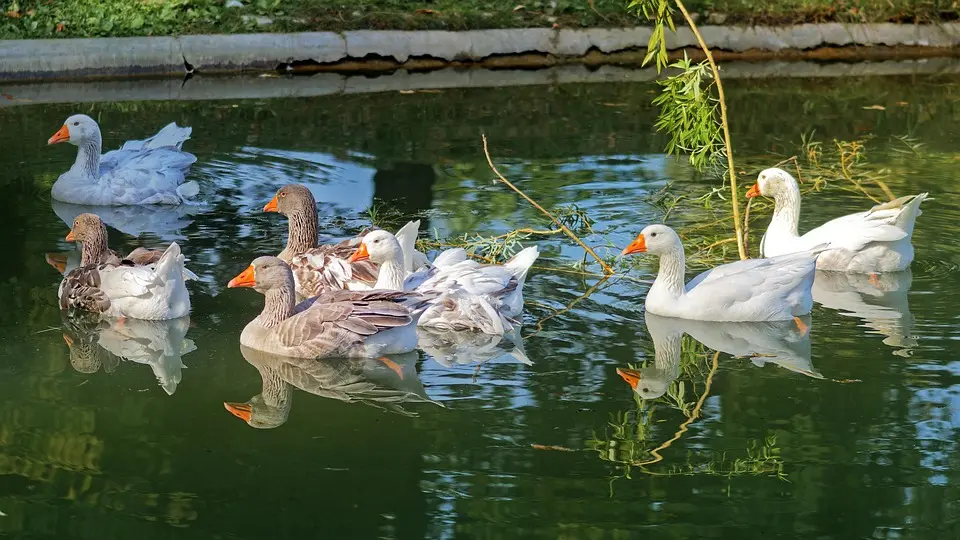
<point x="106" y="57"/>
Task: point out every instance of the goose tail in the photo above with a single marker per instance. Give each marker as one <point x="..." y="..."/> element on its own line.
<point x="521" y="262"/>
<point x="911" y="210"/>
<point x="170" y="265"/>
<point x="407" y="236"/>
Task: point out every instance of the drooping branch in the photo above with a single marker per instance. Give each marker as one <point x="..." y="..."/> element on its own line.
<point x="561" y="226"/>
<point x="726" y="128"/>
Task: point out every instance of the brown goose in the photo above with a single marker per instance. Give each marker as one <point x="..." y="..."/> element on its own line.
<point x="385" y="383"/>
<point x="317" y="269"/>
<point x="336" y="324"/>
<point x="103" y="283"/>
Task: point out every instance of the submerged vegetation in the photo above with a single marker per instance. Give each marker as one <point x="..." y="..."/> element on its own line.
<point x="93" y="18"/>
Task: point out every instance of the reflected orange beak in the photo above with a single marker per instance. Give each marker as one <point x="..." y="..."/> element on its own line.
<point x="57" y="261"/>
<point x="754" y="191"/>
<point x="632" y="376"/>
<point x="68" y="340"/>
<point x="71" y="237"/>
<point x="637" y="246"/>
<point x="360" y="254"/>
<point x="247" y="278"/>
<point x="272" y="205"/>
<point x="61" y="136"/>
<point x="242" y="411"/>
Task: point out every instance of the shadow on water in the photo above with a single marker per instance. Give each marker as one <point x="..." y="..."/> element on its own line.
<point x="512" y="450"/>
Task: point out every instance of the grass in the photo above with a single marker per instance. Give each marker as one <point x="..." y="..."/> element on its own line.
<point x="32" y="19"/>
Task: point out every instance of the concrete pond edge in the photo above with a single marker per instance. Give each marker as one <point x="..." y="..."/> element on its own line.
<point x="374" y="50"/>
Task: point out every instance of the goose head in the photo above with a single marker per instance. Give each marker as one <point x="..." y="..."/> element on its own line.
<point x="379" y="247"/>
<point x="87" y="228"/>
<point x="292" y="199"/>
<point x="654" y="239"/>
<point x="648" y="383"/>
<point x="264" y="274"/>
<point x="771" y="182"/>
<point x="259" y="414"/>
<point x="76" y="130"/>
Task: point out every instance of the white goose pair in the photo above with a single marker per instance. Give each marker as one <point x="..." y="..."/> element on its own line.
<point x="779" y="287"/>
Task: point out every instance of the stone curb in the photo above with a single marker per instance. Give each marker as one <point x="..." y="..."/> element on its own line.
<point x="322" y="84"/>
<point x="106" y="57"/>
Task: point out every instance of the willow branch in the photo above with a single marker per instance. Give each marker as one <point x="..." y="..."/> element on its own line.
<point x="726" y="128"/>
<point x="561" y="226"/>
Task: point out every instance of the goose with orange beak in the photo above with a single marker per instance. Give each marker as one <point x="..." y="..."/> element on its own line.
<point x="151" y="171"/>
<point x="875" y="241"/>
<point x="749" y="290"/>
<point x="473" y="296"/>
<point x="328" y="267"/>
<point x="148" y="284"/>
<point x="337" y="324"/>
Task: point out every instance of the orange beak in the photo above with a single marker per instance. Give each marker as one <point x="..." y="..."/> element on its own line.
<point x="272" y="205"/>
<point x="61" y="136"/>
<point x="247" y="278"/>
<point x="57" y="261"/>
<point x="68" y="340"/>
<point x="632" y="376"/>
<point x="637" y="246"/>
<point x="360" y="254"/>
<point x="71" y="237"/>
<point x="242" y="411"/>
<point x="754" y="191"/>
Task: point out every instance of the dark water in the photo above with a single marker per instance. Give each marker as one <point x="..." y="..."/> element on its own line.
<point x="850" y="432"/>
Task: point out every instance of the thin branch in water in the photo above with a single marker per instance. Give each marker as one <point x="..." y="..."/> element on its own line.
<point x="569" y="306"/>
<point x="726" y="127"/>
<point x="561" y="226"/>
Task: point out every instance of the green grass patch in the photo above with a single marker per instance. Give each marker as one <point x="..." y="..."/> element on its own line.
<point x="32" y="19"/>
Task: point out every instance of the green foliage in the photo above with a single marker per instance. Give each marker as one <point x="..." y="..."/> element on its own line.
<point x="688" y="113"/>
<point x="661" y="13"/>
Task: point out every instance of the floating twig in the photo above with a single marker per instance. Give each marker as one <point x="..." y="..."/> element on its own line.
<point x="561" y="226"/>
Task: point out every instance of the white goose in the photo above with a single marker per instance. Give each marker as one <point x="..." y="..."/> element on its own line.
<point x="122" y="288"/>
<point x="471" y="296"/>
<point x="874" y="241"/>
<point x="750" y="290"/>
<point x="144" y="172"/>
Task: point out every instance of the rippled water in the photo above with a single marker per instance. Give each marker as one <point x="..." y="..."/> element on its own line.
<point x="848" y="432"/>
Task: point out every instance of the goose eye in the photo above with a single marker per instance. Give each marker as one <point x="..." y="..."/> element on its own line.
<point x="76" y="123"/>
<point x="282" y="194"/>
<point x="653" y="235"/>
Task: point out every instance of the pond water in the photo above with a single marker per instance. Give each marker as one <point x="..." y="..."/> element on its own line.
<point x="848" y="432"/>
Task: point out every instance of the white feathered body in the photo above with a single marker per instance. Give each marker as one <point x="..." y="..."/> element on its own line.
<point x="151" y="171"/>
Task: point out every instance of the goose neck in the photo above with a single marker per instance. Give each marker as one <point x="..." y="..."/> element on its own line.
<point x="87" y="163"/>
<point x="391" y="275"/>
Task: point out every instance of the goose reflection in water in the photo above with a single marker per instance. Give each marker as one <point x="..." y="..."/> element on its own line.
<point x="468" y="347"/>
<point x="96" y="342"/>
<point x="784" y="343"/>
<point x="163" y="221"/>
<point x="385" y="383"/>
<point x="879" y="300"/>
